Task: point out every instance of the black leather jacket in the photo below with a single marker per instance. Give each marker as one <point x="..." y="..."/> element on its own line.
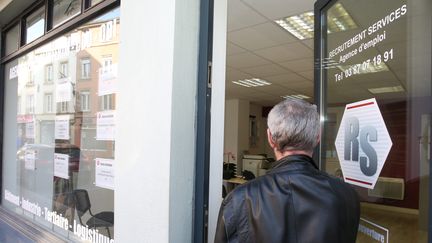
<point x="293" y="202"/>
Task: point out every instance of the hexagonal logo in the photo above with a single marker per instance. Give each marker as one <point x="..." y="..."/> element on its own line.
<point x="362" y="143"/>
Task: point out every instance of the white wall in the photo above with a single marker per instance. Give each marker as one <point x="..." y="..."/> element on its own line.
<point x="217" y="118"/>
<point x="154" y="140"/>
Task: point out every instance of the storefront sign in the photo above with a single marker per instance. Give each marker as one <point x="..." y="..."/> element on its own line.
<point x="362" y="42"/>
<point x="105" y="128"/>
<point x="30" y="160"/>
<point x="61" y="165"/>
<point x="105" y="173"/>
<point x="61" y="130"/>
<point x="362" y="143"/>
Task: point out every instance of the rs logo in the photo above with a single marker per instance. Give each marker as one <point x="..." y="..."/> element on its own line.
<point x="356" y="139"/>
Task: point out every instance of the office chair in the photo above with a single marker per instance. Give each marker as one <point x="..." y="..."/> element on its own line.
<point x="82" y="205"/>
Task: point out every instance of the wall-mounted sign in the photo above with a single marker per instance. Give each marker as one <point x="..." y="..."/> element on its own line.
<point x="61" y="130"/>
<point x="362" y="143"/>
<point x="104" y="173"/>
<point x="61" y="165"/>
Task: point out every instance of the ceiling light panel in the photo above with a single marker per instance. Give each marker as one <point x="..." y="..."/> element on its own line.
<point x="302" y="25"/>
<point x="253" y="82"/>
<point x="296" y="96"/>
<point x="393" y="89"/>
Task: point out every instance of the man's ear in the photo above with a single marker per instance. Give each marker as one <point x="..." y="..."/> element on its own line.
<point x="270" y="139"/>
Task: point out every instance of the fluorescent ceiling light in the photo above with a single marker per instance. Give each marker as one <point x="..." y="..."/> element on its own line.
<point x="302" y="25"/>
<point x="296" y="96"/>
<point x="393" y="89"/>
<point x="253" y="82"/>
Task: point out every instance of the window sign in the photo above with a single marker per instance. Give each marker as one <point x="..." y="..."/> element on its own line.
<point x="61" y="165"/>
<point x="62" y="127"/>
<point x="105" y="173"/>
<point x="105" y="125"/>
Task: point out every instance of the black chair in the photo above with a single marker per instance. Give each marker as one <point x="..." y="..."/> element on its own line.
<point x="82" y="205"/>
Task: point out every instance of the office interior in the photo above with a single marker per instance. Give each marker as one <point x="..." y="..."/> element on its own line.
<point x="266" y="64"/>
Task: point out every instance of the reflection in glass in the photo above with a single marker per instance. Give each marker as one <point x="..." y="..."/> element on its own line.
<point x="12" y="40"/>
<point x="376" y="60"/>
<point x="60" y="132"/>
<point x="35" y="24"/>
<point x="64" y="10"/>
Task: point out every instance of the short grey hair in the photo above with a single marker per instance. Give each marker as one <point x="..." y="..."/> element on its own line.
<point x="294" y="125"/>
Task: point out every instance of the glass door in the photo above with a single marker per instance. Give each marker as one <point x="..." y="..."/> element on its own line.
<point x="373" y="85"/>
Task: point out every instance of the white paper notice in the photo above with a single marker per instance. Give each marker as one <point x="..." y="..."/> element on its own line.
<point x="105" y="128"/>
<point x="61" y="165"/>
<point x="30" y="160"/>
<point x="64" y="92"/>
<point x="107" y="80"/>
<point x="105" y="173"/>
<point x="30" y="130"/>
<point x="62" y="127"/>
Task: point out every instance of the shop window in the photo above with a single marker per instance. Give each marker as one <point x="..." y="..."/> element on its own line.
<point x="53" y="151"/>
<point x="12" y="40"/>
<point x="35" y="25"/>
<point x="63" y="10"/>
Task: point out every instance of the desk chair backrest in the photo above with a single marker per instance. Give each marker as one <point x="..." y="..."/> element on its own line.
<point x="82" y="202"/>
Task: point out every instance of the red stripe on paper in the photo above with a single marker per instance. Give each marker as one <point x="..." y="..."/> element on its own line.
<point x="363" y="182"/>
<point x="356" y="106"/>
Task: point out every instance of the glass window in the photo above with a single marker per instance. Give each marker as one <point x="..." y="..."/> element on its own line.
<point x="378" y="113"/>
<point x="12" y="40"/>
<point x="35" y="24"/>
<point x="85" y="68"/>
<point x="49" y="73"/>
<point x="85" y="100"/>
<point x="65" y="10"/>
<point x="48" y="103"/>
<point x="64" y="70"/>
<point x="30" y="105"/>
<point x="56" y="156"/>
<point x="94" y="2"/>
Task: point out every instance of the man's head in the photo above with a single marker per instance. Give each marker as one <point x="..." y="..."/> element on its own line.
<point x="293" y="125"/>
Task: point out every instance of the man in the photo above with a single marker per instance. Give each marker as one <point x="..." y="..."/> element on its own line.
<point x="294" y="201"/>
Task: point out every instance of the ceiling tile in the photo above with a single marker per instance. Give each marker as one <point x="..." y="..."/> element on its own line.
<point x="286" y="52"/>
<point x="285" y="78"/>
<point x="260" y="36"/>
<point x="234" y="74"/>
<point x="299" y="65"/>
<point x="241" y="16"/>
<point x="233" y="49"/>
<point x="265" y="70"/>
<point x="307" y="74"/>
<point x="244" y="60"/>
<point x="275" y="9"/>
